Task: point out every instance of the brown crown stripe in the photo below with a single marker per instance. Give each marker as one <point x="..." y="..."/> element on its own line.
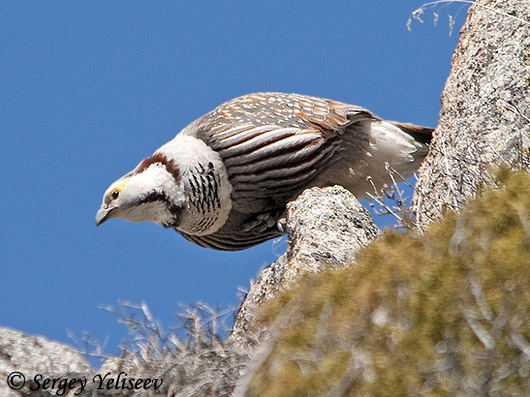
<point x="160" y="158"/>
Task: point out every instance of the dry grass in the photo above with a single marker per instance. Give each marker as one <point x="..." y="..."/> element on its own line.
<point x="436" y="6"/>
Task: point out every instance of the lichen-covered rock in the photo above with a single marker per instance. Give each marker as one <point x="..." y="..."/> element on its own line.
<point x="326" y="227"/>
<point x="25" y="356"/>
<point x="485" y="116"/>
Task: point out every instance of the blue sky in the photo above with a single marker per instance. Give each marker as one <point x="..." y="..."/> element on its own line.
<point x="89" y="88"/>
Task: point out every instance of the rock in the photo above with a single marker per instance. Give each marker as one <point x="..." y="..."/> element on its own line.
<point x="326" y="227"/>
<point x="31" y="356"/>
<point x="485" y="109"/>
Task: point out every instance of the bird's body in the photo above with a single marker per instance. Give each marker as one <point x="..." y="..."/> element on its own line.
<point x="223" y="182"/>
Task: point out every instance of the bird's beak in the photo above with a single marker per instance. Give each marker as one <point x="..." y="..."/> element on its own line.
<point x="103" y="214"/>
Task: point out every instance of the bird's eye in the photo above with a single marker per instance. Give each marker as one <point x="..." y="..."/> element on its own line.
<point x="114" y="194"/>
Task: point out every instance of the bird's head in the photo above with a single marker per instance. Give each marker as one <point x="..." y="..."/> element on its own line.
<point x="152" y="192"/>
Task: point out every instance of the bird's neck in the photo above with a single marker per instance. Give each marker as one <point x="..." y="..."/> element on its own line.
<point x="204" y="183"/>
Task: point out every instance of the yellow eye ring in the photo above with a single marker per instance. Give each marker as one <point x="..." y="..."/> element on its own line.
<point x="115" y="193"/>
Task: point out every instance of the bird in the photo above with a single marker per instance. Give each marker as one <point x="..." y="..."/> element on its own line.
<point x="223" y="182"/>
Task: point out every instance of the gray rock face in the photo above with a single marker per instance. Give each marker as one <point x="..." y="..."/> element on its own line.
<point x="31" y="356"/>
<point x="485" y="116"/>
<point x="326" y="227"/>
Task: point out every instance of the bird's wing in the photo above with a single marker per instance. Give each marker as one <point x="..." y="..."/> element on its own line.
<point x="273" y="145"/>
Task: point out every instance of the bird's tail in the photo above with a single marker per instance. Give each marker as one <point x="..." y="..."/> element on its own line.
<point x="419" y="133"/>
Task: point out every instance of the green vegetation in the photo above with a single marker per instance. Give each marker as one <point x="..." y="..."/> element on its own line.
<point x="441" y="313"/>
